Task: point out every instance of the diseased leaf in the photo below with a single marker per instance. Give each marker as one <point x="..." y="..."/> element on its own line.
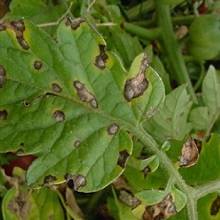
<point x="171" y="120"/>
<point x="208" y="207"/>
<point x="65" y="102"/>
<point x="23" y="204"/>
<point x="207" y="167"/>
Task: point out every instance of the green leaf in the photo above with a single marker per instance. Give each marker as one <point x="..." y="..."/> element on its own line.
<point x="171" y="120"/>
<point x="200" y="118"/>
<point x="64" y="102"/>
<point x="207" y="167"/>
<point x="151" y="197"/>
<point x="180" y="198"/>
<point x="35" y="10"/>
<point x="19" y="204"/>
<point x="203" y="118"/>
<point x="204" y="45"/>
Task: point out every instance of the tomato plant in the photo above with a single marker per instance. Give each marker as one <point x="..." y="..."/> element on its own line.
<point x="109" y="110"/>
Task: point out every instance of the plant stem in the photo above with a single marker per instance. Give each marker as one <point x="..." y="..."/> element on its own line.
<point x="144" y="137"/>
<point x="205" y="189"/>
<point x="171" y="47"/>
<point x="150" y="34"/>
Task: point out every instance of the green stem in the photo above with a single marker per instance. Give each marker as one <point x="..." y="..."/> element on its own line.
<point x="150" y="34"/>
<point x="171" y="46"/>
<point x="144" y="137"/>
<point x="186" y="19"/>
<point x="206" y="189"/>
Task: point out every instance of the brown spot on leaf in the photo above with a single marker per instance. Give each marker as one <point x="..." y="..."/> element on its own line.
<point x="101" y="59"/>
<point x="161" y="211"/>
<point x="146" y="171"/>
<point x="84" y="94"/>
<point x="56" y="88"/>
<point x="59" y="116"/>
<point x="79" y="182"/>
<point x="19" y="205"/>
<point x="19" y="28"/>
<point x="137" y="85"/>
<point x="74" y="23"/>
<point x="18" y="25"/>
<point x="123" y="156"/>
<point x="26" y="103"/>
<point x="3" y="114"/>
<point x="215" y="207"/>
<point x="49" y="179"/>
<point x="75" y="181"/>
<point x="2" y="76"/>
<point x="113" y="129"/>
<point x="189" y="154"/>
<point x="77" y="143"/>
<point x="129" y="199"/>
<point x="38" y="64"/>
<point x="23" y="42"/>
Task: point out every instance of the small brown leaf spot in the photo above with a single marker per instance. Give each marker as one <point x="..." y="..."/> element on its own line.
<point x="18" y="25"/>
<point x="3" y="114"/>
<point x="69" y="180"/>
<point x="137" y="85"/>
<point x="84" y="94"/>
<point x="123" y="157"/>
<point x="129" y="199"/>
<point x="74" y="23"/>
<point x="49" y="179"/>
<point x="77" y="143"/>
<point x="23" y="43"/>
<point x="2" y="27"/>
<point x="59" y="116"/>
<point x="2" y="76"/>
<point x="189" y="154"/>
<point x="26" y="103"/>
<point x="101" y="59"/>
<point x="79" y="181"/>
<point x="38" y="64"/>
<point x="75" y="181"/>
<point x="56" y="88"/>
<point x="113" y="129"/>
<point x="215" y="207"/>
<point x="146" y="171"/>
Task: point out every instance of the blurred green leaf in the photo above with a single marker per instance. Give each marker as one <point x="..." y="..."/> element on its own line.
<point x="204" y="37"/>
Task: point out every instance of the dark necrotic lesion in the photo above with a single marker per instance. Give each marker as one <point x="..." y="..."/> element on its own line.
<point x="101" y="59"/>
<point x="137" y="85"/>
<point x="84" y="94"/>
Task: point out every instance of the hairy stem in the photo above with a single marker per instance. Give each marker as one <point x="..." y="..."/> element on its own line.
<point x="171" y="169"/>
<point x="171" y="46"/>
<point x="206" y="189"/>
